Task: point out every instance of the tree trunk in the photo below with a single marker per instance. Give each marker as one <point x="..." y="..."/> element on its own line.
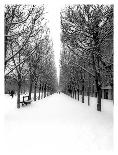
<point x="42" y="92"/>
<point x="46" y="91"/>
<point x="83" y="91"/>
<point x="35" y="86"/>
<point x="112" y="93"/>
<point x="39" y="94"/>
<point x="18" y="91"/>
<point x="99" y="91"/>
<point x="88" y="96"/>
<point x="19" y="84"/>
<point x="89" y="90"/>
<point x="78" y="94"/>
<point x="96" y="66"/>
<point x="82" y="96"/>
<point x="75" y="94"/>
<point x="30" y="89"/>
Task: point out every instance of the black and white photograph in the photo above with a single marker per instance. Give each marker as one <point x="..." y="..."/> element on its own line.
<point x="58" y="77"/>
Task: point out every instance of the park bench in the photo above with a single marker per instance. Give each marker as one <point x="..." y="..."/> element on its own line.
<point x="26" y="102"/>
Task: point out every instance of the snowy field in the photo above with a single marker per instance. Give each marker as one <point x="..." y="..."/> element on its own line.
<point x="58" y="125"/>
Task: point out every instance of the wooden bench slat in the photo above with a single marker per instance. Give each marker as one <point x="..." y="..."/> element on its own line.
<point x="28" y="101"/>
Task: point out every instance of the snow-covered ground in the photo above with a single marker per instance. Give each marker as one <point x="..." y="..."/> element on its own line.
<point x="58" y="125"/>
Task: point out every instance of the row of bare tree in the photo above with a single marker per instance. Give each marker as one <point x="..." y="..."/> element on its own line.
<point x="29" y="50"/>
<point x="87" y="49"/>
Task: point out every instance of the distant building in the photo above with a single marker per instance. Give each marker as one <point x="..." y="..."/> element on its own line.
<point x="107" y="93"/>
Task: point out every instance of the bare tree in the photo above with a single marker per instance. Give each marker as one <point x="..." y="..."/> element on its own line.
<point x="23" y="30"/>
<point x="88" y="31"/>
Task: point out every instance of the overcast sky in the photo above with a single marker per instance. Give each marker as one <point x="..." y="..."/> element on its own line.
<point x="54" y="24"/>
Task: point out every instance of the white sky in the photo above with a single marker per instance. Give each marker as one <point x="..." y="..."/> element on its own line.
<point x="54" y="24"/>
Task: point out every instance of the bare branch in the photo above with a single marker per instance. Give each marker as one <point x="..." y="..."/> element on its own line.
<point x="22" y="61"/>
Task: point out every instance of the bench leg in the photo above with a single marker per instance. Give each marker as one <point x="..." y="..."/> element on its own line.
<point x="25" y="103"/>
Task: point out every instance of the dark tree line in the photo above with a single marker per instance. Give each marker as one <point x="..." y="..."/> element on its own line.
<point x="87" y="48"/>
<point x="28" y="50"/>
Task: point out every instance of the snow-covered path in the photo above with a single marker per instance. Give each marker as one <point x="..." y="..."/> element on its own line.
<point x="57" y="125"/>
